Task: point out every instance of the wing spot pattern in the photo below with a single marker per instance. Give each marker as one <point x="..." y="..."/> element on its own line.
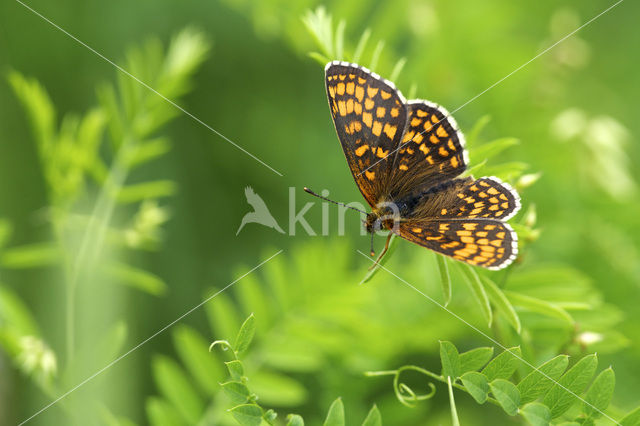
<point x="342" y="108"/>
<point x="351" y="87"/>
<point x="390" y="130"/>
<point x="361" y="150"/>
<point x="367" y="119"/>
<point x="377" y="128"/>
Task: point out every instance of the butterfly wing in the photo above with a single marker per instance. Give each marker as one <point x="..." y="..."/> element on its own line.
<point x="370" y="115"/>
<point x="463" y="219"/>
<point x="431" y="151"/>
<point x="486" y="198"/>
<point x="488" y="243"/>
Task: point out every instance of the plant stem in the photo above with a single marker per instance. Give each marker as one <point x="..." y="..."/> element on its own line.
<point x="427" y="373"/>
<point x="93" y="238"/>
<point x="452" y="402"/>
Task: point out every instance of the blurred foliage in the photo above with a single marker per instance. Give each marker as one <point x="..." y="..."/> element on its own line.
<point x="88" y="161"/>
<point x="106" y="205"/>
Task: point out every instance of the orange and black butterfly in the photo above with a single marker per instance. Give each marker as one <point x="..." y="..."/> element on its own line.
<point x="406" y="158"/>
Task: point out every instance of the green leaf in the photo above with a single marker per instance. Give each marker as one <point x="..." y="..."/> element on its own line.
<point x="31" y="256"/>
<point x="475" y="170"/>
<point x="110" y="344"/>
<point x="339" y="38"/>
<point x="509" y="172"/>
<point x="278" y="389"/>
<point x="236" y="369"/>
<point x="397" y="69"/>
<point x="540" y="381"/>
<point x="361" y="45"/>
<point x="543" y="307"/>
<point x="161" y="413"/>
<point x="563" y="394"/>
<point x="450" y="360"/>
<point x="270" y="416"/>
<point x="445" y="278"/>
<point x="536" y="414"/>
<point x="503" y="366"/>
<point x="631" y="419"/>
<point x="245" y="335"/>
<point x="237" y="392"/>
<point x="599" y="395"/>
<point x="318" y="57"/>
<point x="147" y="151"/>
<point x="491" y="149"/>
<point x="253" y="296"/>
<point x="335" y="416"/>
<point x="475" y="359"/>
<point x="146" y="191"/>
<point x="109" y="102"/>
<point x="295" y="420"/>
<point x="39" y="108"/>
<point x="222" y="315"/>
<point x="373" y="418"/>
<point x="15" y="315"/>
<point x="501" y="302"/>
<point x="247" y="414"/>
<point x="136" y="278"/>
<point x="192" y="349"/>
<point x="375" y="56"/>
<point x="473" y="281"/>
<point x="477" y="385"/>
<point x="507" y="395"/>
<point x="478" y="126"/>
<point x="175" y="386"/>
<point x="452" y="404"/>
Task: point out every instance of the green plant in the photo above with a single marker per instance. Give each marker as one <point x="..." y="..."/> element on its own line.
<point x="246" y="409"/>
<point x="96" y="159"/>
<point x="546" y="309"/>
<point x="548" y="394"/>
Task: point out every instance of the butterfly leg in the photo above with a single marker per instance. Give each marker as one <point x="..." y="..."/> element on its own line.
<point x="384" y="251"/>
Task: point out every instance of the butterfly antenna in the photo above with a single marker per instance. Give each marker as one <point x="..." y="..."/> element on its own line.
<point x="373" y="253"/>
<point x="331" y="201"/>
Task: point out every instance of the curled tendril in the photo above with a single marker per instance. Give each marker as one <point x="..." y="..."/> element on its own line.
<point x="225" y="345"/>
<point x="404" y="393"/>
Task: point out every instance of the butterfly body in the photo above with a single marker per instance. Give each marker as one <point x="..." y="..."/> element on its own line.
<point x="406" y="158"/>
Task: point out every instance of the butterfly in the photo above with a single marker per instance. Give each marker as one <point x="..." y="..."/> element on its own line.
<point x="406" y="158"/>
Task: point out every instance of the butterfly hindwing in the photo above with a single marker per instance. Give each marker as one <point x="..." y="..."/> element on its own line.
<point x="482" y="242"/>
<point x="369" y="115"/>
<point x="431" y="151"/>
<point x="487" y="197"/>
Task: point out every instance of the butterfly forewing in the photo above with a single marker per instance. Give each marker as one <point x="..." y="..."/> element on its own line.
<point x="431" y="151"/>
<point x="483" y="242"/>
<point x="370" y="116"/>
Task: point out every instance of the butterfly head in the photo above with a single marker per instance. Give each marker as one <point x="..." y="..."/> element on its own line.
<point x="373" y="223"/>
<point x="385" y="215"/>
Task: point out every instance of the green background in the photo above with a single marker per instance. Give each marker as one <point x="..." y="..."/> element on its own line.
<point x="259" y="87"/>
